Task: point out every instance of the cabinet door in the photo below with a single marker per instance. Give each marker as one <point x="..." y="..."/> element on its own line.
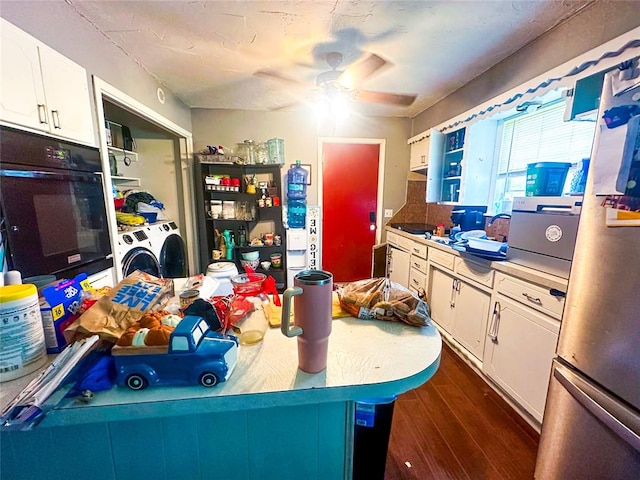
<point x="519" y="349"/>
<point x="434" y="172"/>
<point x="419" y="154"/>
<point x="67" y="95"/>
<point x="442" y="298"/>
<point x="399" y="266"/>
<point x="21" y="91"/>
<point x="471" y="314"/>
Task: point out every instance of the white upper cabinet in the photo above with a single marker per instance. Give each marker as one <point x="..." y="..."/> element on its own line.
<point x="21" y="90"/>
<point x="42" y="89"/>
<point x="424" y="148"/>
<point x="462" y="172"/>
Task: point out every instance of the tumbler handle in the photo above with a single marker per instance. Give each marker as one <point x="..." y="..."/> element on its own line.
<point x="286" y="313"/>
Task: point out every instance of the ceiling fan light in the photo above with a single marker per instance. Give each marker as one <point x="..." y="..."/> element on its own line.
<point x="340" y="107"/>
<point x="321" y="109"/>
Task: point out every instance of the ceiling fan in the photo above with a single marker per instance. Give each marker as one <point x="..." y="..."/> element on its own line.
<point x="345" y="81"/>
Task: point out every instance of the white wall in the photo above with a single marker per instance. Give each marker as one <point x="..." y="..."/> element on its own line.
<point x="602" y="21"/>
<point x="300" y="133"/>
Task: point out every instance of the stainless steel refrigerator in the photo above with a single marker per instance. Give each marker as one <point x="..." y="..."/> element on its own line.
<point x="591" y="426"/>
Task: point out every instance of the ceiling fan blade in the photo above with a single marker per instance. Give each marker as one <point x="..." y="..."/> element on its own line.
<point x="361" y="70"/>
<point x="266" y="73"/>
<point x="286" y="106"/>
<point x="380" y="97"/>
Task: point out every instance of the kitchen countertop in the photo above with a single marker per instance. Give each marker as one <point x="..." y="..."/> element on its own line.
<point x="529" y="274"/>
<point x="366" y="359"/>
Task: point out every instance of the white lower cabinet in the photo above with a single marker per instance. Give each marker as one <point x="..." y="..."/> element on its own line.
<point x="519" y="349"/>
<point x="461" y="309"/>
<point x="399" y="266"/>
<point x="472" y="313"/>
<point x="441" y="298"/>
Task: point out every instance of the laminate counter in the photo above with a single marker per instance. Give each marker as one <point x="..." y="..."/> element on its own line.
<point x="242" y="428"/>
<point x="529" y="274"/>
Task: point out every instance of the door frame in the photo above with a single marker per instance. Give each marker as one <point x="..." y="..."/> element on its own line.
<point x="382" y="143"/>
<point x="103" y="90"/>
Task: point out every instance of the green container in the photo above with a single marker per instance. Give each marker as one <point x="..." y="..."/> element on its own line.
<point x="546" y="178"/>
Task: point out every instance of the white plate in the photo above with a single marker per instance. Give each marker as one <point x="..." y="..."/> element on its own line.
<point x="485" y="245"/>
<point x="472" y="234"/>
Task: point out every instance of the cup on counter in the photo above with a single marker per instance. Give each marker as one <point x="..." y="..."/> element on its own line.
<point x="216" y="254"/>
<point x="265" y="265"/>
<point x="276" y="260"/>
<point x="268" y="239"/>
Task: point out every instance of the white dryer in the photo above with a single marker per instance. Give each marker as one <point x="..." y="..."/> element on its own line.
<point x="135" y="252"/>
<point x="169" y="248"/>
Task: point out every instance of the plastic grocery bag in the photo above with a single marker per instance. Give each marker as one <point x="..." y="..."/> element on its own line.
<point x="382" y="299"/>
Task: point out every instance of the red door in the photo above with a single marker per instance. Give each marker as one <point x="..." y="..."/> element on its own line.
<point x="349" y="206"/>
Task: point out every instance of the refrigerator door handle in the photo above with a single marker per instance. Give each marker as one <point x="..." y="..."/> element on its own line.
<point x="576" y="387"/>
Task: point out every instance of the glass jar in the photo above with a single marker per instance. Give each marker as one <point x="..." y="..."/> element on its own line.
<point x="262" y="153"/>
<point x="250" y="151"/>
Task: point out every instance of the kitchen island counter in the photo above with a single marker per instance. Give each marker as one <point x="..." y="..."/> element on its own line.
<point x="266" y="404"/>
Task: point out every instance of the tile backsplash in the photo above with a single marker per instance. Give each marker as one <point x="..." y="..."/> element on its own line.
<point x="416" y="210"/>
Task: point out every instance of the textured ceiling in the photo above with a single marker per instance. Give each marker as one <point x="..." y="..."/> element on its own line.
<point x="207" y="52"/>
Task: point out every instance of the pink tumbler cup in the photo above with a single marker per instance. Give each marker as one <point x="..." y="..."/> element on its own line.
<point x="311" y="317"/>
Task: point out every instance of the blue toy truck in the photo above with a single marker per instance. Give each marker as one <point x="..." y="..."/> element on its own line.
<point x="195" y="354"/>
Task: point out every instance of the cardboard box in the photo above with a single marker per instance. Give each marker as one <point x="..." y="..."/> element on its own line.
<point x="59" y="305"/>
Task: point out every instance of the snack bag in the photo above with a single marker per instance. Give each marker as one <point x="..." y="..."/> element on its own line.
<point x="382" y="299"/>
<point x="121" y="307"/>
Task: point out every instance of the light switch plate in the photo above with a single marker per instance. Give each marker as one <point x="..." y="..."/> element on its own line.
<point x="388" y="212"/>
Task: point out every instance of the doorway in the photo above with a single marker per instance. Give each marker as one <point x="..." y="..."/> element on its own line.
<point x="164" y="140"/>
<point x="350" y="196"/>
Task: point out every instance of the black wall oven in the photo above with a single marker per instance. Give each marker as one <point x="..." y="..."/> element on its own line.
<point x="52" y="203"/>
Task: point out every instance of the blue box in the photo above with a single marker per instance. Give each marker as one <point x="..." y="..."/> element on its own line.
<point x="59" y="305"/>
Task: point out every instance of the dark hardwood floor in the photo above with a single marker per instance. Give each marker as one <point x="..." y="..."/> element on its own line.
<point x="456" y="427"/>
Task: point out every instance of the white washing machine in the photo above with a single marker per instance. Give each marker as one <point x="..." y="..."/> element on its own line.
<point x="169" y="249"/>
<point x="135" y="252"/>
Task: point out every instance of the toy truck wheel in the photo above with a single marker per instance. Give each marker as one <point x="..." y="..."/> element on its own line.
<point x="137" y="382"/>
<point x="208" y="379"/>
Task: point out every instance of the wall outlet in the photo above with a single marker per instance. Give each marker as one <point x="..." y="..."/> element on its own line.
<point x="388" y="212"/>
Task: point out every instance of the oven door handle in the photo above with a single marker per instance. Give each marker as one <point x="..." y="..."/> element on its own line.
<point x="94" y="177"/>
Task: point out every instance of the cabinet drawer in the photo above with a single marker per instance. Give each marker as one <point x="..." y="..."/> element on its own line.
<point x="529" y="294"/>
<point x="417" y="280"/>
<point x="419" y="264"/>
<point x="405" y="243"/>
<point x="441" y="258"/>
<point x="419" y="250"/>
<point x="392" y="238"/>
<point x="474" y="271"/>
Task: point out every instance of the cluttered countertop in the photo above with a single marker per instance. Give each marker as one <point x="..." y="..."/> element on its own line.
<point x="443" y="243"/>
<point x="366" y="358"/>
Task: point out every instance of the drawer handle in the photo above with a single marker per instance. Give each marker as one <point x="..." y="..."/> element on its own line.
<point x="495" y="323"/>
<point x="535" y="300"/>
<point x="415" y="282"/>
<point x="415" y="264"/>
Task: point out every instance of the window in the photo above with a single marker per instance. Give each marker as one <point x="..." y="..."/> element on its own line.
<point x="541" y="136"/>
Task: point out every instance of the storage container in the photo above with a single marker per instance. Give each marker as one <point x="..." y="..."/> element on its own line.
<point x="22" y="344"/>
<point x="546" y="178"/>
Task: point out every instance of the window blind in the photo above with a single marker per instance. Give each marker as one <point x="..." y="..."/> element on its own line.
<point x="543" y="136"/>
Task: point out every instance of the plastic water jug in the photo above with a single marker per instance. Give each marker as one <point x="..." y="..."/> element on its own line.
<point x="297" y="214"/>
<point x="297" y="182"/>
